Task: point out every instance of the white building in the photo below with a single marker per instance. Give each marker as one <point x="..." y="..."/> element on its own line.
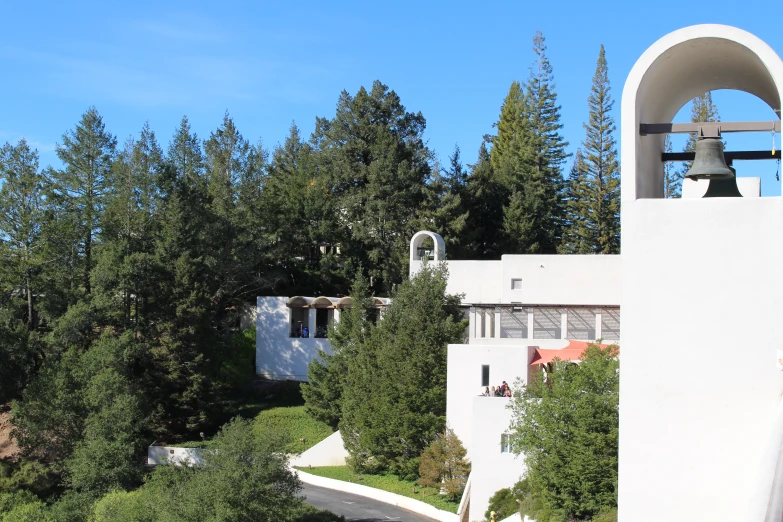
<point x="518" y="307"/>
<point x="700" y="420"/>
<point x="699" y="285"/>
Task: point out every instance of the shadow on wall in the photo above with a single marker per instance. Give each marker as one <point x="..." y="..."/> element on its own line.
<point x="279" y="356"/>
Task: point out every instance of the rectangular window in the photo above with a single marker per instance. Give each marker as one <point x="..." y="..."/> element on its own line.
<point x="485" y="375"/>
<point x="505" y="443"/>
<point x="516" y="284"/>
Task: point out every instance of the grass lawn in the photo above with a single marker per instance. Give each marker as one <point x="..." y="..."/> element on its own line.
<point x="293" y="424"/>
<point x="387" y="483"/>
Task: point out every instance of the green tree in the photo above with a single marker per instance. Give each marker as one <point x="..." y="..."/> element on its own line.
<point x="127" y="271"/>
<point x="82" y="405"/>
<point x="567" y="429"/>
<point x="444" y="210"/>
<point x="87" y="153"/>
<point x="443" y="464"/>
<point x="594" y="192"/>
<point x="326" y="375"/>
<point x="22" y="206"/>
<point x="374" y="152"/>
<point x="19" y="356"/>
<point x="245" y="477"/>
<point x="485" y="197"/>
<point x="394" y="397"/>
<point x="187" y="337"/>
<point x="672" y="178"/>
<point x="531" y="158"/>
<point x="300" y="216"/>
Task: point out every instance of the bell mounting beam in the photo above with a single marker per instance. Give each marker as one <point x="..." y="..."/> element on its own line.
<point x="709" y="129"/>
<point x="729" y="155"/>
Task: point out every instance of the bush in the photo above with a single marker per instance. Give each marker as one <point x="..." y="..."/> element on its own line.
<point x="503" y="503"/>
<point x="32" y="512"/>
<point x="443" y="463"/>
<point x="606" y="515"/>
<point x="121" y="506"/>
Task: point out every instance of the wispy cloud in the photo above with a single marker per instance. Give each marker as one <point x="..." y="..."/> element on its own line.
<point x="196" y="31"/>
<point x="14" y="137"/>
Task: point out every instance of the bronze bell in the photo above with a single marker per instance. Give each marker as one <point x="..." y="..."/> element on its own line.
<point x="723" y="188"/>
<point x="709" y="162"/>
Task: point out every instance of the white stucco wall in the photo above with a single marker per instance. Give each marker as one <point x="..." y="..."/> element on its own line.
<point x="698" y="400"/>
<point x="166" y="455"/>
<point x="329" y="452"/>
<point x="506" y="361"/>
<point x="478" y="280"/>
<point x="277" y="355"/>
<point x="562" y="280"/>
<point x="491" y="470"/>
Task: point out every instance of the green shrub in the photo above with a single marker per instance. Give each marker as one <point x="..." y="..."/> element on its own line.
<point x="606" y="515"/>
<point x="503" y="503"/>
<point x="307" y="513"/>
<point x="33" y="512"/>
<point x="122" y="506"/>
<point x="9" y="501"/>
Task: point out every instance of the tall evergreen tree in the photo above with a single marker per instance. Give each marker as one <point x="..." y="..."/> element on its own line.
<point x="485" y="196"/>
<point x="87" y="153"/>
<point x="187" y="338"/>
<point x="300" y="218"/>
<point x="531" y="168"/>
<point x="594" y="203"/>
<point x="127" y="271"/>
<point x="22" y="207"/>
<point x="572" y="242"/>
<point x="444" y="209"/>
<point x="374" y="152"/>
<point x="512" y="133"/>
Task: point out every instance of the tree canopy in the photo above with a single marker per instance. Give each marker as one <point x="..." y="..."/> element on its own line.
<point x="566" y="424"/>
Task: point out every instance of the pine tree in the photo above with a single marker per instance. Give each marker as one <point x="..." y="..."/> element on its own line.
<point x="512" y="128"/>
<point x="444" y="210"/>
<point x="87" y="153"/>
<point x="672" y="178"/>
<point x="374" y="153"/>
<point x="22" y="207"/>
<point x="300" y="217"/>
<point x="126" y="269"/>
<point x="572" y="242"/>
<point x="594" y="206"/>
<point x="533" y="173"/>
<point x="485" y="197"/>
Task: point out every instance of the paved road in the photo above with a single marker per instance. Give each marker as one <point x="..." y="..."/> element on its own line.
<point x="356" y="508"/>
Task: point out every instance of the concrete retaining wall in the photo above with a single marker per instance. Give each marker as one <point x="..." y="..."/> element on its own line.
<point x="328" y="452"/>
<point x="162" y="455"/>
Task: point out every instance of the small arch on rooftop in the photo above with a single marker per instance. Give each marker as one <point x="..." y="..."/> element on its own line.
<point x="420" y="251"/>
<point x="299" y="301"/>
<point x="324" y="302"/>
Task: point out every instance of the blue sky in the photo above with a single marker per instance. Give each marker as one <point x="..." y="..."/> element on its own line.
<point x="271" y="63"/>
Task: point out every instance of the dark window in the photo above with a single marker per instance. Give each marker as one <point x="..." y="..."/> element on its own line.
<point x="485" y="375"/>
